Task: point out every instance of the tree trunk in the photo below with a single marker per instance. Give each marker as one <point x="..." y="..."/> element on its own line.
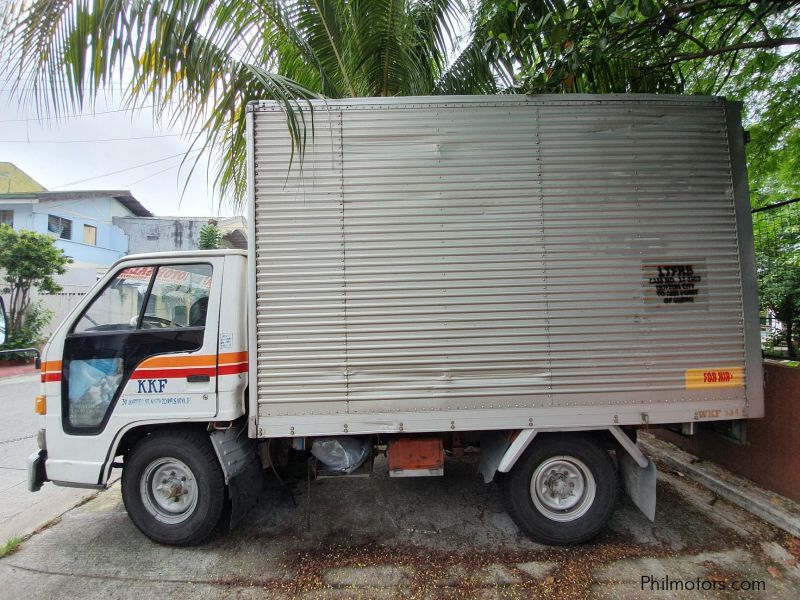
<point x="13" y="309"/>
<point x="18" y="303"/>
<point x="786" y="314"/>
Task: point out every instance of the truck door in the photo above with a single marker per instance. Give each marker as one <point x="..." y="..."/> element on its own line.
<point x="146" y="345"/>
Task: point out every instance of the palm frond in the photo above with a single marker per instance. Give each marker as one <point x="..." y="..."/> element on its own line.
<point x="471" y="73"/>
<point x="200" y="62"/>
<point x="322" y="23"/>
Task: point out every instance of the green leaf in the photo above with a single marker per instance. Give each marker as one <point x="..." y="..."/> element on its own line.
<point x="557" y="35"/>
<point x="648" y="8"/>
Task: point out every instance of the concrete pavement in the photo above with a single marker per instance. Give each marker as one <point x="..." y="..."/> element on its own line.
<point x="22" y="512"/>
<point x="444" y="537"/>
<point x="765" y="504"/>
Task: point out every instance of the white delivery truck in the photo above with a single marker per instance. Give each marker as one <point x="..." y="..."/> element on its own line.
<point x="533" y="276"/>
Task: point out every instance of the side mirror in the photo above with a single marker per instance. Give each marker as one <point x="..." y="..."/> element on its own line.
<point x="3" y="322"/>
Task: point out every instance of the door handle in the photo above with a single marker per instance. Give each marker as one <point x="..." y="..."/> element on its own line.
<point x="198" y="378"/>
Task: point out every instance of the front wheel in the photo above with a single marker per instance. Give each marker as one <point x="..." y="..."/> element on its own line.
<point x="173" y="487"/>
<point x="562" y="490"/>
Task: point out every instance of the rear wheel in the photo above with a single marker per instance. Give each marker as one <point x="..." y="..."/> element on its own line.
<point x="562" y="490"/>
<point x="173" y="487"/>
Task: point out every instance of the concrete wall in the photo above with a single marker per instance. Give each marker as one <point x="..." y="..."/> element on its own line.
<point x="771" y="456"/>
<point x="75" y="284"/>
<point x="155" y="234"/>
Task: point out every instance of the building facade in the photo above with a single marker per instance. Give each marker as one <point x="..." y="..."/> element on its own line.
<point x="81" y="223"/>
<point x="97" y="227"/>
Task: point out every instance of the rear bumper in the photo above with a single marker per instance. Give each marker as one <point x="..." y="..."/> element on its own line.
<point x="36" y="470"/>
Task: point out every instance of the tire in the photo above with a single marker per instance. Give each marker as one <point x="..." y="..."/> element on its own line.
<point x="553" y="512"/>
<point x="173" y="487"/>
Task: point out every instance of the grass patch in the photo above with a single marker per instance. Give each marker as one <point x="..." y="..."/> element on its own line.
<point x="10" y="546"/>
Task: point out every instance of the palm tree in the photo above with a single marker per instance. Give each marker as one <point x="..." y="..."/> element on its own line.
<point x="198" y="62"/>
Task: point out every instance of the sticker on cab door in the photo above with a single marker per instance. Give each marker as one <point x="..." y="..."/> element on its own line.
<point x="719" y="377"/>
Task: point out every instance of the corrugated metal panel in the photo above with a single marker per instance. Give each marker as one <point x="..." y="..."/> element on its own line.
<point x="481" y="254"/>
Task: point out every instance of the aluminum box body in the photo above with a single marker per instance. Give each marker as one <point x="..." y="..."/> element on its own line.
<point x="472" y="263"/>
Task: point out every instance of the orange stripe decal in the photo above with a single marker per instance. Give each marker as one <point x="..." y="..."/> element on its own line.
<point x="226" y="358"/>
<point x="193" y="360"/>
<point x="51" y="371"/>
<point x="230" y="363"/>
<point x="160" y="362"/>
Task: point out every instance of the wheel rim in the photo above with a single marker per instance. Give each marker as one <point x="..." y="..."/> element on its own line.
<point x="563" y="488"/>
<point x="169" y="490"/>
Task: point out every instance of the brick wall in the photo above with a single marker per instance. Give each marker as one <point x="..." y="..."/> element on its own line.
<point x="771" y="457"/>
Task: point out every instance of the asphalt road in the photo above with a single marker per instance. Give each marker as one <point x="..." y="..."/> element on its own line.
<point x="21" y="512"/>
<point x="438" y="537"/>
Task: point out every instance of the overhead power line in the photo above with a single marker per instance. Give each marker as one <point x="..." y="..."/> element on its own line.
<point x="84" y="115"/>
<point x="29" y="87"/>
<point x="152" y="162"/>
<point x="145" y="178"/>
<point x="98" y="140"/>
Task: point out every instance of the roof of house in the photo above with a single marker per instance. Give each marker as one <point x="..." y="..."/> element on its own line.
<point x="124" y="197"/>
<point x="15" y="180"/>
<point x="20" y="185"/>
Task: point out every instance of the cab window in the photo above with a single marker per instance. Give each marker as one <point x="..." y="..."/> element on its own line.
<point x="179" y="297"/>
<point x="118" y="306"/>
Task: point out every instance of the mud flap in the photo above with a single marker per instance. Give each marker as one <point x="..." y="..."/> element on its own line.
<point x="242" y="469"/>
<point x="244" y="490"/>
<point x="639" y="483"/>
<point x="36" y="471"/>
<point x="493" y="447"/>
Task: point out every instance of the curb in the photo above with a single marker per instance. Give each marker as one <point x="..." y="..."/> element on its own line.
<point x="16" y="371"/>
<point x="769" y="506"/>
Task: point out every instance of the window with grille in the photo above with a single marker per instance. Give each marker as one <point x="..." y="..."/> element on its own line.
<point x="60" y="227"/>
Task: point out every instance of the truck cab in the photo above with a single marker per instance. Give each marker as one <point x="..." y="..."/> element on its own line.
<point x="161" y="338"/>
